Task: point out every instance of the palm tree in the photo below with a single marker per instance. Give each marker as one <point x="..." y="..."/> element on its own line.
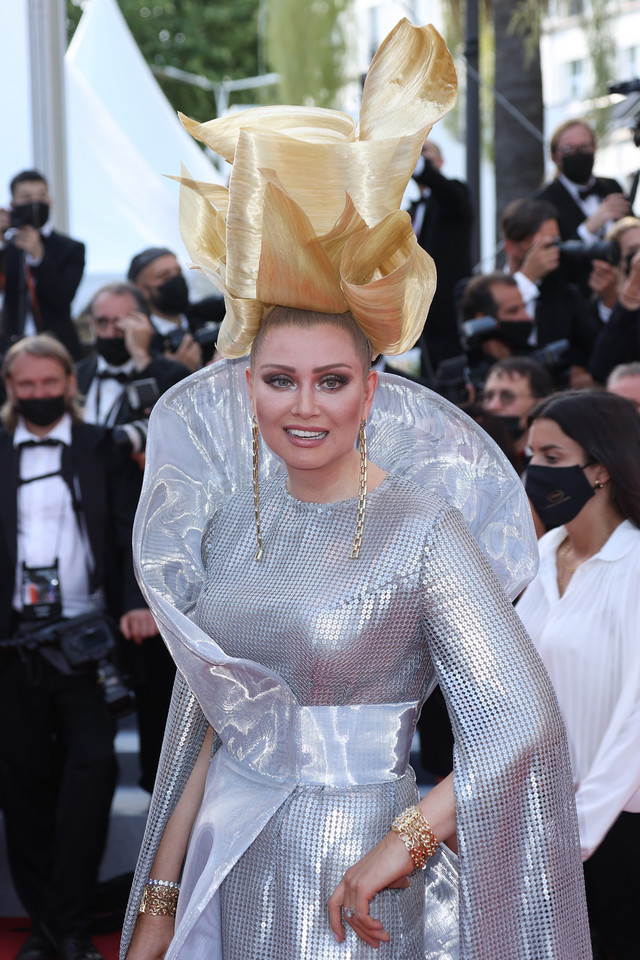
<point x="518" y="153"/>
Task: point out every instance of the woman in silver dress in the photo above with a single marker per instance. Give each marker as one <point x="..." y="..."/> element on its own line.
<point x="312" y="597"/>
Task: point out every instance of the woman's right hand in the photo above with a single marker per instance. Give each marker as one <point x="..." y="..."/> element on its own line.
<point x="151" y="937"/>
<point x="386" y="865"/>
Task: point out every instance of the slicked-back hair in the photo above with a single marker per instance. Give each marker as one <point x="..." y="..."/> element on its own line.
<point x="120" y="289"/>
<point x="478" y="297"/>
<point x="523" y="218"/>
<point x="278" y="317"/>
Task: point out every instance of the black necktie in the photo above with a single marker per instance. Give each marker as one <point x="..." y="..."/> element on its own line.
<point x="113" y="375"/>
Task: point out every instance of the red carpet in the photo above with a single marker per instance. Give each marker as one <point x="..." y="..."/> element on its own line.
<point x="14" y="931"/>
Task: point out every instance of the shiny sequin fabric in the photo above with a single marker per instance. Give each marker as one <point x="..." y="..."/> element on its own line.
<point x="308" y="626"/>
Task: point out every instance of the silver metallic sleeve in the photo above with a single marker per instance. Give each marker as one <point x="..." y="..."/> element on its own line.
<point x="521" y="890"/>
<point x="184" y="733"/>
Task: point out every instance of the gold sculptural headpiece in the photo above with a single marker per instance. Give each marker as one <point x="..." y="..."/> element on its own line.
<point x="311" y="217"/>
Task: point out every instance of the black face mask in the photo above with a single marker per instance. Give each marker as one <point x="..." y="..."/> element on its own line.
<point x="113" y="350"/>
<point x="557" y="493"/>
<point x="515" y="333"/>
<point x="171" y="297"/>
<point x="577" y="167"/>
<point x="42" y="410"/>
<point x="31" y="214"/>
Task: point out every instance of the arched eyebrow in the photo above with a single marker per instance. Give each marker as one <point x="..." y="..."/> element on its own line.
<point x="287" y="369"/>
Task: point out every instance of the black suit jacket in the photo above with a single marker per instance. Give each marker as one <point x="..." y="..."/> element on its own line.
<point x="56" y="280"/>
<point x="446" y="236"/>
<point x="164" y="371"/>
<point x="570" y="214"/>
<point x="109" y="487"/>
<point x="618" y="342"/>
<point x="562" y="313"/>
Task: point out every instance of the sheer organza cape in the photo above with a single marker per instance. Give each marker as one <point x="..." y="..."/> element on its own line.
<point x="199" y="453"/>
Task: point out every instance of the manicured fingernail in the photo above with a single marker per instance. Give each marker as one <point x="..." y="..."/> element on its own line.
<point x="336" y="938"/>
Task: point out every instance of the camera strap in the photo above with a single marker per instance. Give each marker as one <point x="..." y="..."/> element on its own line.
<point x="109" y="419"/>
<point x="67" y="473"/>
<point x="70" y="478"/>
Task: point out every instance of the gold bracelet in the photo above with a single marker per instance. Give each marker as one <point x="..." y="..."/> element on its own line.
<point x="160" y="898"/>
<point x="413" y="829"/>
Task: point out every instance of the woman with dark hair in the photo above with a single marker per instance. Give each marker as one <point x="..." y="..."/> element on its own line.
<point x="583" y="614"/>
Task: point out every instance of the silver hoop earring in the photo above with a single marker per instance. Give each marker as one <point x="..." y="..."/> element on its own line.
<point x="255" y="438"/>
<point x="362" y="494"/>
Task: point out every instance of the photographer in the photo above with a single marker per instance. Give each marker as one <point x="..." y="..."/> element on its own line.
<point x="494" y="323"/>
<point x="67" y="502"/>
<point x="41" y="268"/>
<point x="442" y="220"/>
<point x="537" y="260"/>
<point x="183" y="331"/>
<point x="121" y="382"/>
<point x="119" y="318"/>
<point x="586" y="205"/>
<point x="619" y="339"/>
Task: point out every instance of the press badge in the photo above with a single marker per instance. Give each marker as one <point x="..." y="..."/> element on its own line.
<point x="41" y="597"/>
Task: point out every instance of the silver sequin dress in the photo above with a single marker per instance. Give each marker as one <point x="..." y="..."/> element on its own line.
<point x="294" y="660"/>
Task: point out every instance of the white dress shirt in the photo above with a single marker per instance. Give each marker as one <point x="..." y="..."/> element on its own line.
<point x="164" y="327"/>
<point x="529" y="291"/>
<point x="588" y="205"/>
<point x="104" y="396"/>
<point x="47" y="524"/>
<point x="589" y="640"/>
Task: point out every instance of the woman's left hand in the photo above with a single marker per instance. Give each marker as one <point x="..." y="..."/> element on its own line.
<point x="387" y="865"/>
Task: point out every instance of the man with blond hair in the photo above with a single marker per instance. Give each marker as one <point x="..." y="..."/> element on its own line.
<point x="67" y="501"/>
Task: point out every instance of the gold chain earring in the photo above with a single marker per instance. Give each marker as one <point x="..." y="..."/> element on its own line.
<point x="255" y="438"/>
<point x="362" y="494"/>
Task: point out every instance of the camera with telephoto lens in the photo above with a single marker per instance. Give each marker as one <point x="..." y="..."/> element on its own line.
<point x="29" y="215"/>
<point x="478" y="329"/>
<point x="206" y="336"/>
<point x="452" y="379"/>
<point x="551" y="355"/>
<point x="132" y="436"/>
<point x="575" y="251"/>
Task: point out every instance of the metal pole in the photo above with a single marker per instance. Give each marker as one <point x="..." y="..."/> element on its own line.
<point x="472" y="47"/>
<point x="47" y="44"/>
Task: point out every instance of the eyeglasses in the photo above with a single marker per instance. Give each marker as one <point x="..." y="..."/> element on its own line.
<point x="582" y="148"/>
<point x="105" y="323"/>
<point x="506" y="397"/>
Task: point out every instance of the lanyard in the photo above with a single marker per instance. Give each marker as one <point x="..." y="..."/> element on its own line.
<point x="65" y="471"/>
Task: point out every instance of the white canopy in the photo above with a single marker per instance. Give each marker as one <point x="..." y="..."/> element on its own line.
<point x="122" y="137"/>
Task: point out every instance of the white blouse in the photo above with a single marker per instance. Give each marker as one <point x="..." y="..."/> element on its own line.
<point x="589" y="640"/>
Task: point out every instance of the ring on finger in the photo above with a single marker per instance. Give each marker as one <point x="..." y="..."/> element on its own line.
<point x="349" y="912"/>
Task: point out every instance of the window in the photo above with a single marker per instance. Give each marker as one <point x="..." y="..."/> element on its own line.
<point x="576" y="79"/>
